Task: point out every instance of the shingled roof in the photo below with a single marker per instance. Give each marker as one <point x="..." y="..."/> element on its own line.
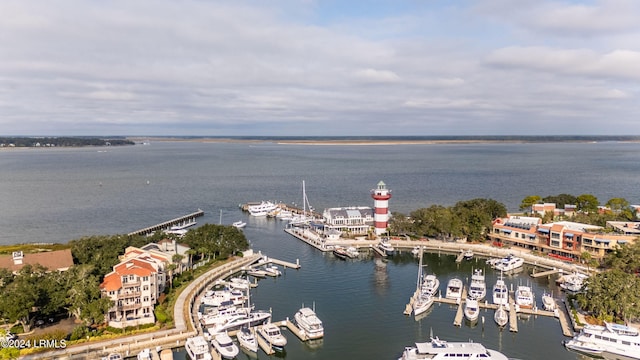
<point x="59" y="260"/>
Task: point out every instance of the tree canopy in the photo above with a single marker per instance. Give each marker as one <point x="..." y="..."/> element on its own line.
<point x="468" y="219"/>
<point x="615" y="293"/>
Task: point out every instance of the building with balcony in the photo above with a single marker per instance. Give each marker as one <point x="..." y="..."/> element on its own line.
<point x="355" y="220"/>
<point x="564" y="240"/>
<point x="133" y="287"/>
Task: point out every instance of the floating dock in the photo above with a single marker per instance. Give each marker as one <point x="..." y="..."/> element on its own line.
<point x="182" y="222"/>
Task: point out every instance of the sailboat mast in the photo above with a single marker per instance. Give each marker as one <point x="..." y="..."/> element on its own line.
<point x="304" y="200"/>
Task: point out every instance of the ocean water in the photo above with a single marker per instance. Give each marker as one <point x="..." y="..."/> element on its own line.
<point x="56" y="195"/>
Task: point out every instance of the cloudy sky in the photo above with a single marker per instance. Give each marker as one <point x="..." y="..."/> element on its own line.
<point x="320" y="67"/>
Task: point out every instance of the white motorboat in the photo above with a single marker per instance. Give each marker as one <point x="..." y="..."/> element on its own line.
<point x="386" y="247"/>
<point x="509" y="263"/>
<point x="284" y="215"/>
<point x="501" y="316"/>
<point x="573" y="282"/>
<point x="197" y="348"/>
<point x="608" y="341"/>
<point x="262" y="209"/>
<point x="352" y="252"/>
<point x="422" y="303"/>
<point x="548" y="302"/>
<point x="416" y="250"/>
<point x="225" y="346"/>
<point x="308" y="321"/>
<point x="216" y="316"/>
<point x="239" y="283"/>
<point x="524" y="297"/>
<point x="477" y="287"/>
<point x="430" y="284"/>
<point x="471" y="309"/>
<point x="235" y="322"/>
<point x="340" y="252"/>
<point x="438" y="349"/>
<point x="239" y="224"/>
<point x="247" y="339"/>
<point x="500" y="292"/>
<point x="258" y="273"/>
<point x="272" y="270"/>
<point x="467" y="254"/>
<point x="454" y="289"/>
<point x="219" y="297"/>
<point x="145" y="354"/>
<point x="270" y="332"/>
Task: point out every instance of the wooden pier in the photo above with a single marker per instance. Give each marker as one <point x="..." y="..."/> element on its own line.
<point x="182" y="221"/>
<point x="545" y="273"/>
<point x="294" y="329"/>
<point x="378" y="251"/>
<point x="513" y="316"/>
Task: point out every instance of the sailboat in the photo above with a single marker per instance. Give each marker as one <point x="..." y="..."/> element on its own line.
<point x="422" y="299"/>
<point x="300" y="219"/>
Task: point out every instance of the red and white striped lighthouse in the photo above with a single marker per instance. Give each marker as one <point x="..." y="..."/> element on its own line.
<point x="381" y="196"/>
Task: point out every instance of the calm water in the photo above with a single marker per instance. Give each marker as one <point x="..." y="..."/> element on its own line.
<point x="55" y="195"/>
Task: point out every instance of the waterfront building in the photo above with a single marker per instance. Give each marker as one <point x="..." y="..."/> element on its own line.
<point x="133" y="287"/>
<point x="59" y="260"/>
<point x="355" y="220"/>
<point x="541" y="209"/>
<point x="381" y="196"/>
<point x="564" y="240"/>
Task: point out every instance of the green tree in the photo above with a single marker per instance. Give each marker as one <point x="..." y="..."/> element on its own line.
<point x="561" y="200"/>
<point x="587" y="203"/>
<point x="529" y="201"/>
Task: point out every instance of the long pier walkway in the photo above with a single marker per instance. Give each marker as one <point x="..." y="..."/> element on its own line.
<point x="182" y="221"/>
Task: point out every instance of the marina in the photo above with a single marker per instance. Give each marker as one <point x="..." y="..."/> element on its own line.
<point x="347" y="292"/>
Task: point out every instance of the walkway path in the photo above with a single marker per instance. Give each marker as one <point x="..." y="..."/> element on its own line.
<point x="165" y="339"/>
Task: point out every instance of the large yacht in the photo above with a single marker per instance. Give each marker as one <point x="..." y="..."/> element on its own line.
<point x="454" y="289"/>
<point x="509" y="263"/>
<point x="524" y="297"/>
<point x="236" y="321"/>
<point x="608" y="341"/>
<point x="471" y="309"/>
<point x="270" y="332"/>
<point x="500" y="292"/>
<point x="262" y="209"/>
<point x="438" y="349"/>
<point x="308" y="321"/>
<point x="430" y="284"/>
<point x="225" y="346"/>
<point x="197" y="348"/>
<point x="478" y="287"/>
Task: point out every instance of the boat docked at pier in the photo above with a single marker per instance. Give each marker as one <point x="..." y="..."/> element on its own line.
<point x="262" y="209"/>
<point x="548" y="303"/>
<point x="340" y="252"/>
<point x="197" y="348"/>
<point x="308" y="321"/>
<point x="524" y="297"/>
<point x="573" y="282"/>
<point x="454" y="289"/>
<point x="500" y="292"/>
<point x="609" y="341"/>
<point x="225" y="346"/>
<point x="467" y="254"/>
<point x="471" y="309"/>
<point x="438" y="349"/>
<point x="386" y="247"/>
<point x="501" y="316"/>
<point x="237" y="321"/>
<point x="272" y="270"/>
<point x="352" y="252"/>
<point x="271" y="333"/>
<point x="478" y="286"/>
<point x="509" y="263"/>
<point x="247" y="339"/>
<point x="220" y="297"/>
<point x="430" y="284"/>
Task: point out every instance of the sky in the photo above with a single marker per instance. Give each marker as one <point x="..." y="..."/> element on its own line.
<point x="319" y="68"/>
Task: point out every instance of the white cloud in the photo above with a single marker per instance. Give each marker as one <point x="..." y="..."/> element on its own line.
<point x="376" y="76"/>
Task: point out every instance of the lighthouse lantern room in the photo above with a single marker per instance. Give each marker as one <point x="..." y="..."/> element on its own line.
<point x="381" y="196"/>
